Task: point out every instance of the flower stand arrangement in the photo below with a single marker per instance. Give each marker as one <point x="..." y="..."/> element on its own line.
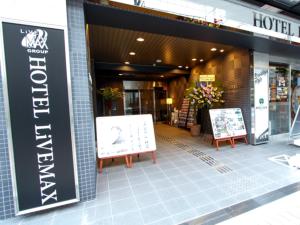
<point x="203" y="97"/>
<point x="110" y="95"/>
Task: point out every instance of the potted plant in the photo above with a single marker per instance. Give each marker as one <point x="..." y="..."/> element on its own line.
<point x="110" y="95"/>
<point x="202" y="97"/>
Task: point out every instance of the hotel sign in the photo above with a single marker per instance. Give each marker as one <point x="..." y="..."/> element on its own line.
<point x="228" y="14"/>
<point x="38" y="112"/>
<point x="207" y="78"/>
<point x="275" y="24"/>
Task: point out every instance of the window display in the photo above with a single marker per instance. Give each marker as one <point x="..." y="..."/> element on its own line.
<point x="279" y="98"/>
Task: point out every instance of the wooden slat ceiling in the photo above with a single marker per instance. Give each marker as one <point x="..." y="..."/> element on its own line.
<point x="112" y="45"/>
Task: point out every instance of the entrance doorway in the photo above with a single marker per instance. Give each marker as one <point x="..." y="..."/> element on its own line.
<point x="152" y="101"/>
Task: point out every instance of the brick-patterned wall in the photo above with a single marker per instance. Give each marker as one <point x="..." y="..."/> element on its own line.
<point x="176" y="90"/>
<point x="82" y="101"/>
<point x="232" y="71"/>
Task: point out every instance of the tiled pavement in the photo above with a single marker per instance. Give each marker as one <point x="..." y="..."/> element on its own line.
<point x="190" y="179"/>
<point x="283" y="211"/>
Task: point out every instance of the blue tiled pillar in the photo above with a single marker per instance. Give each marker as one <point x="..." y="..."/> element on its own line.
<point x="6" y="193"/>
<point x="82" y="101"/>
<point x="83" y="117"/>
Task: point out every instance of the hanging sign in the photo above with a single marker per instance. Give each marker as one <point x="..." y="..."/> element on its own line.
<point x="261" y="105"/>
<point x="207" y="78"/>
<point x="124" y="135"/>
<point x="40" y="137"/>
<point x="227" y="123"/>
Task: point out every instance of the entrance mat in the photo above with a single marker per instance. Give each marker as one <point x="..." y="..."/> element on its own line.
<point x="209" y="160"/>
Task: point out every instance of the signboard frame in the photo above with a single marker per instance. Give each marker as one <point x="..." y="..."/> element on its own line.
<point x="8" y="116"/>
<point x="207" y="77"/>
<point x="229" y="136"/>
<point x="124" y="141"/>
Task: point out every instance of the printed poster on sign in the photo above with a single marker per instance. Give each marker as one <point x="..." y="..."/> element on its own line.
<point x="261" y="105"/>
<point x="227" y="122"/>
<point x="123" y="135"/>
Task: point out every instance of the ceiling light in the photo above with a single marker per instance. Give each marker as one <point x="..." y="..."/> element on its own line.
<point x="131" y="53"/>
<point x="162" y="76"/>
<point x="194" y="59"/>
<point x="201" y="60"/>
<point x="158" y="60"/>
<point x="127" y="63"/>
<point x="213" y="49"/>
<point x="180" y="67"/>
<point x="140" y="39"/>
<point x="221" y="50"/>
<point x="120" y="74"/>
<point x="186" y="67"/>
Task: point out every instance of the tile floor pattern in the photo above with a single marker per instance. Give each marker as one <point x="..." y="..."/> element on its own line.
<point x="282" y="211"/>
<point x="180" y="187"/>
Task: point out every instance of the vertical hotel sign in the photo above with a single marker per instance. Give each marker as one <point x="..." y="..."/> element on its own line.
<point x="261" y="105"/>
<point x="38" y="110"/>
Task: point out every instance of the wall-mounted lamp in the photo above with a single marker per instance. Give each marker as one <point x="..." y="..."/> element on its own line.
<point x="169" y="101"/>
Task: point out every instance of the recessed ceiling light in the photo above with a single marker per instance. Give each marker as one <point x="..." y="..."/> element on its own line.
<point x="120" y="74"/>
<point x="186" y="67"/>
<point x="140" y="39"/>
<point x="131" y="53"/>
<point x="221" y="50"/>
<point x="194" y="59"/>
<point x="158" y="60"/>
<point x="213" y="49"/>
<point x="162" y="76"/>
<point x="201" y="60"/>
<point x="180" y="67"/>
<point x="127" y="63"/>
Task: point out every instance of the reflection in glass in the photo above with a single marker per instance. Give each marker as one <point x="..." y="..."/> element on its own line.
<point x="295" y="93"/>
<point x="279" y="101"/>
<point x="132" y="105"/>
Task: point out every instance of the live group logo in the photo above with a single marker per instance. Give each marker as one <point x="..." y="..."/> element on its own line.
<point x="36" y="43"/>
<point x="37" y="91"/>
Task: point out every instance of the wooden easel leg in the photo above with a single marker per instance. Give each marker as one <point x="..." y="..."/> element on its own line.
<point x="127" y="161"/>
<point x="212" y="141"/>
<point x="154" y="157"/>
<point x="100" y="165"/>
<point x="130" y="160"/>
<point x="217" y="144"/>
<point x="246" y="140"/>
<point x="232" y="142"/>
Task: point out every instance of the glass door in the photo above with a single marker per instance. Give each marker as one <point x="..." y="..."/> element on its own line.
<point x="132" y="102"/>
<point x="279" y="106"/>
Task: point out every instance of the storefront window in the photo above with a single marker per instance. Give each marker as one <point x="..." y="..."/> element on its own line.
<point x="279" y="98"/>
<point x="295" y="92"/>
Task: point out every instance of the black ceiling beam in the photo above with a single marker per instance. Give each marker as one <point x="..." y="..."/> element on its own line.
<point x="97" y="14"/>
<point x="136" y="69"/>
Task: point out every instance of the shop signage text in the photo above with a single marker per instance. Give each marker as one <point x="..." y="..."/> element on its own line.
<point x="271" y="23"/>
<point x="207" y="78"/>
<point x="37" y="92"/>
